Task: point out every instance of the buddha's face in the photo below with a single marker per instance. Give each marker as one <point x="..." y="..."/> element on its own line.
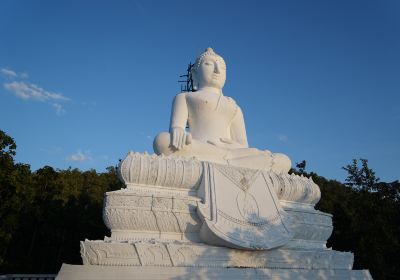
<point x="210" y="73"/>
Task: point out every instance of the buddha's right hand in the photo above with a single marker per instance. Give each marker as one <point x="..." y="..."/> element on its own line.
<point x="178" y="136"/>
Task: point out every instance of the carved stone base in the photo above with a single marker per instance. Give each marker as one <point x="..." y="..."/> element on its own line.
<point x="178" y="254"/>
<point x="171" y="207"/>
<point x="140" y="213"/>
<point x="168" y="198"/>
<point x="92" y="272"/>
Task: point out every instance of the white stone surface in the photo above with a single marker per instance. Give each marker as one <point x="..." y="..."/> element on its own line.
<point x="240" y="209"/>
<point x="94" y="272"/>
<point x="184" y="175"/>
<point x="210" y="207"/>
<point x="159" y="171"/>
<point x="164" y="195"/>
<point x="187" y="254"/>
<point x="216" y="128"/>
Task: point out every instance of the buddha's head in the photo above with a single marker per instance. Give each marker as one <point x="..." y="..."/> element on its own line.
<point x="209" y="70"/>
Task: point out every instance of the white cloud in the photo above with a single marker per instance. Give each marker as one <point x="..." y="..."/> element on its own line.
<point x="24" y="75"/>
<point x="283" y="138"/>
<point x="28" y="91"/>
<point x="80" y="157"/>
<point x="59" y="109"/>
<point x="8" y="73"/>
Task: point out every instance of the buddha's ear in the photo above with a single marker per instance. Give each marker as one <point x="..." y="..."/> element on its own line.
<point x="194" y="74"/>
<point x="192" y="70"/>
<point x="194" y="79"/>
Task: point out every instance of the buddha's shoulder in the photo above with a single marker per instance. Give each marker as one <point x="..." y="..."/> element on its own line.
<point x="187" y="95"/>
<point x="193" y="95"/>
<point x="181" y="95"/>
<point x="231" y="100"/>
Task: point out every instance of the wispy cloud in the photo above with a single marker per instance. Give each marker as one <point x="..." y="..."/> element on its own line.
<point x="59" y="109"/>
<point x="8" y="73"/>
<point x="283" y="138"/>
<point x="80" y="157"/>
<point x="24" y="75"/>
<point x="29" y="91"/>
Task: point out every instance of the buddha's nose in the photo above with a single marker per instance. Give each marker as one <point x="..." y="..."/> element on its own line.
<point x="216" y="69"/>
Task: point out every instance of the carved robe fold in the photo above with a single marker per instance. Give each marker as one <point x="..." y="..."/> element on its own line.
<point x="240" y="209"/>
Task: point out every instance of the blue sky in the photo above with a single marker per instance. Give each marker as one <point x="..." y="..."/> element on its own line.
<point x="84" y="82"/>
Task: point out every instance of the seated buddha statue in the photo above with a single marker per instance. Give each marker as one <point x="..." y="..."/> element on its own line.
<point x="215" y="125"/>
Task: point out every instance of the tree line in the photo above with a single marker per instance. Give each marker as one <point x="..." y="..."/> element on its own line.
<point x="45" y="213"/>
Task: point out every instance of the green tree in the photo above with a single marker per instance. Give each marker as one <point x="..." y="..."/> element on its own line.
<point x="7" y="150"/>
<point x="360" y="177"/>
<point x="373" y="226"/>
<point x="301" y="166"/>
<point x="12" y="179"/>
<point x="366" y="218"/>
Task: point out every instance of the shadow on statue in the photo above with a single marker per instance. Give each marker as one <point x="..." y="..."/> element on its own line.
<point x="244" y="272"/>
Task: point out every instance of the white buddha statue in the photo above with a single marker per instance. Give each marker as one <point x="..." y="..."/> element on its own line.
<point x="216" y="130"/>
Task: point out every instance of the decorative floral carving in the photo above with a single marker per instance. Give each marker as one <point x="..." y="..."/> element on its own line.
<point x="153" y="170"/>
<point x="241" y="177"/>
<point x="291" y="187"/>
<point x="102" y="253"/>
<point x="132" y="213"/>
<point x="129" y="213"/>
<point x="174" y="254"/>
<point x="179" y="173"/>
<point x="154" y="254"/>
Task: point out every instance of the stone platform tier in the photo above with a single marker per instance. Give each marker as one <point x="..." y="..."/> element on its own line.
<point x="186" y="260"/>
<point x="141" y="214"/>
<point x="170" y="174"/>
<point x="162" y="197"/>
<point x="95" y="272"/>
<point x="188" y="254"/>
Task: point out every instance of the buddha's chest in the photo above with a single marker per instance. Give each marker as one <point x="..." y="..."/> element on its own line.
<point x="217" y="108"/>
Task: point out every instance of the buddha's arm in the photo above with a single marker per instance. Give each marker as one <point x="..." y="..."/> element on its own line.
<point x="179" y="117"/>
<point x="238" y="129"/>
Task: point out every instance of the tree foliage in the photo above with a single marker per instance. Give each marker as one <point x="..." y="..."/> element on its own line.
<point x="366" y="218"/>
<point x="361" y="178"/>
<point x="46" y="213"/>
